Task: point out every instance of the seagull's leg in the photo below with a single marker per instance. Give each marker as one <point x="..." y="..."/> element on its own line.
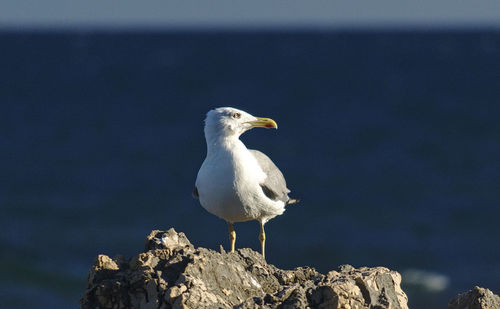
<point x="232" y="235"/>
<point x="262" y="238"/>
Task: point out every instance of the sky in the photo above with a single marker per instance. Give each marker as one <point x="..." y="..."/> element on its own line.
<point x="250" y="13"/>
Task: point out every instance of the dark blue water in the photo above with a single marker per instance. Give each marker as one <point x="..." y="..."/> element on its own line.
<point x="390" y="140"/>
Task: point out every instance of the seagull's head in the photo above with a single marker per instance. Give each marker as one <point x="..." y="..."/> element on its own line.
<point x="229" y="121"/>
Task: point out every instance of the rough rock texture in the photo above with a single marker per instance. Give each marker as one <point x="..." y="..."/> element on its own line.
<point x="171" y="273"/>
<point x="477" y="298"/>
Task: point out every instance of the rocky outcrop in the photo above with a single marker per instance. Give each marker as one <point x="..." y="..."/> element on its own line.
<point x="477" y="298"/>
<point x="172" y="273"/>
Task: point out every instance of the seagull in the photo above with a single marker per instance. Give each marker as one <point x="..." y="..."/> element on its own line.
<point x="235" y="183"/>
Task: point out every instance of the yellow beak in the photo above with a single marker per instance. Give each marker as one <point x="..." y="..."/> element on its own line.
<point x="267" y="123"/>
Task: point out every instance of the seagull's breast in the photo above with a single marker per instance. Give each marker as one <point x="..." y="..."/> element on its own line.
<point x="228" y="184"/>
<point x="215" y="182"/>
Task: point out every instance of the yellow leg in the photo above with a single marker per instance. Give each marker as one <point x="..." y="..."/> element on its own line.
<point x="262" y="238"/>
<point x="232" y="235"/>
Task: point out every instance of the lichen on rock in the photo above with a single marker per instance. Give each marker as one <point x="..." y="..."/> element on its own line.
<point x="172" y="273"/>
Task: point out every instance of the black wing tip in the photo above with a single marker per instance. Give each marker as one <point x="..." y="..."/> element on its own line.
<point x="268" y="192"/>
<point x="292" y="201"/>
<point x="195" y="193"/>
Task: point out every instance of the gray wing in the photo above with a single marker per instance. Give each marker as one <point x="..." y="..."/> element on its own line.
<point x="274" y="187"/>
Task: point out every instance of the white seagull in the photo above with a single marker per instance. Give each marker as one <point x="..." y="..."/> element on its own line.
<point x="235" y="183"/>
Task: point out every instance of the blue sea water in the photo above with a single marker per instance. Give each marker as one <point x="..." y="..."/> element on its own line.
<point x="390" y="140"/>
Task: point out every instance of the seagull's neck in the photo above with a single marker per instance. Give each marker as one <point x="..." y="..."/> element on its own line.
<point x="223" y="143"/>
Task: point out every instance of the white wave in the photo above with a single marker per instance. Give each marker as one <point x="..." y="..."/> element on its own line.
<point x="431" y="281"/>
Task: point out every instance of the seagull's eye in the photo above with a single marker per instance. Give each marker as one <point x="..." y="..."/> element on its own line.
<point x="237" y="115"/>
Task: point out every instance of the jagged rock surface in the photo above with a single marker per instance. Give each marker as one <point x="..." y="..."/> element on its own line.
<point x="171" y="273"/>
<point x="477" y="298"/>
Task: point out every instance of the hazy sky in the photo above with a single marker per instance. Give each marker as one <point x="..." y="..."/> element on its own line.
<point x="249" y="13"/>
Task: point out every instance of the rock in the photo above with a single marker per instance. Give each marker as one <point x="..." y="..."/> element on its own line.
<point x="172" y="273"/>
<point x="477" y="298"/>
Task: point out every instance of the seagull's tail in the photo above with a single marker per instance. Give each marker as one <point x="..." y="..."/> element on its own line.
<point x="292" y="201"/>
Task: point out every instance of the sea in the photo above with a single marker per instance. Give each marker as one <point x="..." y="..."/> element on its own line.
<point x="389" y="138"/>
